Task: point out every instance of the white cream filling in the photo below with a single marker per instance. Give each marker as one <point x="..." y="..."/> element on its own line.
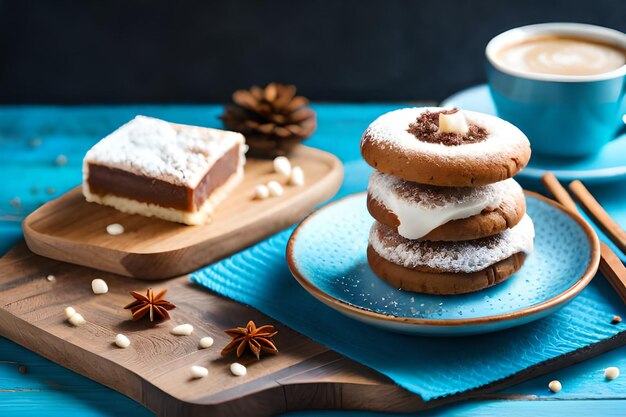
<point x="418" y="218"/>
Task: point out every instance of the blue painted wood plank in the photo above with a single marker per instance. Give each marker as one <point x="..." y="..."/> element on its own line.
<point x="51" y="389"/>
<point x="517" y="408"/>
<point x="581" y="381"/>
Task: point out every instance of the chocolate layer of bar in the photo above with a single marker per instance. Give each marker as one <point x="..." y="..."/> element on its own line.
<point x="104" y="180"/>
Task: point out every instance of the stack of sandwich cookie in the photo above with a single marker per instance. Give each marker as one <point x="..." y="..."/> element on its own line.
<point x="449" y="217"/>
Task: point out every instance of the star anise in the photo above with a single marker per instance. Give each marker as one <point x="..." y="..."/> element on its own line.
<point x="155" y="305"/>
<point x="257" y="339"/>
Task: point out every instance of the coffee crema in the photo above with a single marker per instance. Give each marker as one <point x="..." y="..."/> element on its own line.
<point x="561" y="55"/>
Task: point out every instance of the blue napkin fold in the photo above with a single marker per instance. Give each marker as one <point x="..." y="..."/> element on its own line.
<point x="429" y="367"/>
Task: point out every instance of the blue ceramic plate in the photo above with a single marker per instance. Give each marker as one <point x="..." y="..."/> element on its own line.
<point x="608" y="165"/>
<point x="326" y="254"/>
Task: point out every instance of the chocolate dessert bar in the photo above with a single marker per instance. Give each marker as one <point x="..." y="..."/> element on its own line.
<point x="156" y="168"/>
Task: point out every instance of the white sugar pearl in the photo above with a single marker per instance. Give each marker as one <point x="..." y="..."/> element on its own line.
<point x="206" y="342"/>
<point x="61" y="160"/>
<point x="276" y="190"/>
<point x="122" y="341"/>
<point x="199" y="371"/>
<point x="115" y="229"/>
<point x="297" y="177"/>
<point x="611" y="373"/>
<point x="69" y="312"/>
<point x="261" y="192"/>
<point x="51" y="278"/>
<point x="238" y="369"/>
<point x="182" y="330"/>
<point x="555" y="386"/>
<point x="99" y="286"/>
<point x="282" y="166"/>
<point x="77" y="320"/>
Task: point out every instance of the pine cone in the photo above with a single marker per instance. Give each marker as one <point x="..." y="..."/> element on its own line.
<point x="273" y="119"/>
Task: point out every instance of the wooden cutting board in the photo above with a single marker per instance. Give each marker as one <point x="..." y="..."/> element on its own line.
<point x="154" y="370"/>
<point x="73" y="230"/>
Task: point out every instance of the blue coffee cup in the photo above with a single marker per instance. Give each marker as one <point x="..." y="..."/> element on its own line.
<point x="570" y="116"/>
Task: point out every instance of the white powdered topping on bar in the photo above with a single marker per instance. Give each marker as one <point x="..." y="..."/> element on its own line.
<point x="422" y="208"/>
<point x="467" y="256"/>
<point x="390" y="130"/>
<point x="154" y="148"/>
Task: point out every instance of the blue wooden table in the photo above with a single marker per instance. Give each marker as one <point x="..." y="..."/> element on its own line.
<point x="40" y="157"/>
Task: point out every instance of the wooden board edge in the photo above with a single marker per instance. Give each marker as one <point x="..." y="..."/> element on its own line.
<point x="133" y="264"/>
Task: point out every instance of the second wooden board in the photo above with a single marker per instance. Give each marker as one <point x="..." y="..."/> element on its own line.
<point x="72" y="230"/>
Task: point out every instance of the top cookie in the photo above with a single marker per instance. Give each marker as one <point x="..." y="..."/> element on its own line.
<point x="408" y="144"/>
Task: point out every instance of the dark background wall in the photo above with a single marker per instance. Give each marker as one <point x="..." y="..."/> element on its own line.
<point x="200" y="51"/>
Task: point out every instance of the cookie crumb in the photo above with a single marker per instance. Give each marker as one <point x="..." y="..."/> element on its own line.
<point x="115" y="229"/>
<point x="261" y="192"/>
<point x="611" y="373"/>
<point x="282" y="166"/>
<point x="206" y="342"/>
<point x="51" y="278"/>
<point x="297" y="177"/>
<point x="61" y="160"/>
<point x="99" y="286"/>
<point x="50" y="190"/>
<point x="77" y="320"/>
<point x="21" y="369"/>
<point x="16" y="202"/>
<point x="35" y="142"/>
<point x="238" y="369"/>
<point x="69" y="311"/>
<point x="198" y="371"/>
<point x="275" y="189"/>
<point x="555" y="386"/>
<point x="122" y="341"/>
<point x="616" y="320"/>
<point x="182" y="330"/>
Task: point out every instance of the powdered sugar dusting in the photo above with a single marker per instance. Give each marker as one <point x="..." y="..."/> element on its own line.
<point x="155" y="148"/>
<point x="467" y="256"/>
<point x="390" y="130"/>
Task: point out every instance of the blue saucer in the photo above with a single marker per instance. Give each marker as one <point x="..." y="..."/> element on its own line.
<point x="327" y="255"/>
<point x="608" y="165"/>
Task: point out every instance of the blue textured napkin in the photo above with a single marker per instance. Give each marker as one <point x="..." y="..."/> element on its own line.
<point x="430" y="367"/>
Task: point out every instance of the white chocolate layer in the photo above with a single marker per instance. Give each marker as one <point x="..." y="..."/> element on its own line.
<point x="421" y="208"/>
